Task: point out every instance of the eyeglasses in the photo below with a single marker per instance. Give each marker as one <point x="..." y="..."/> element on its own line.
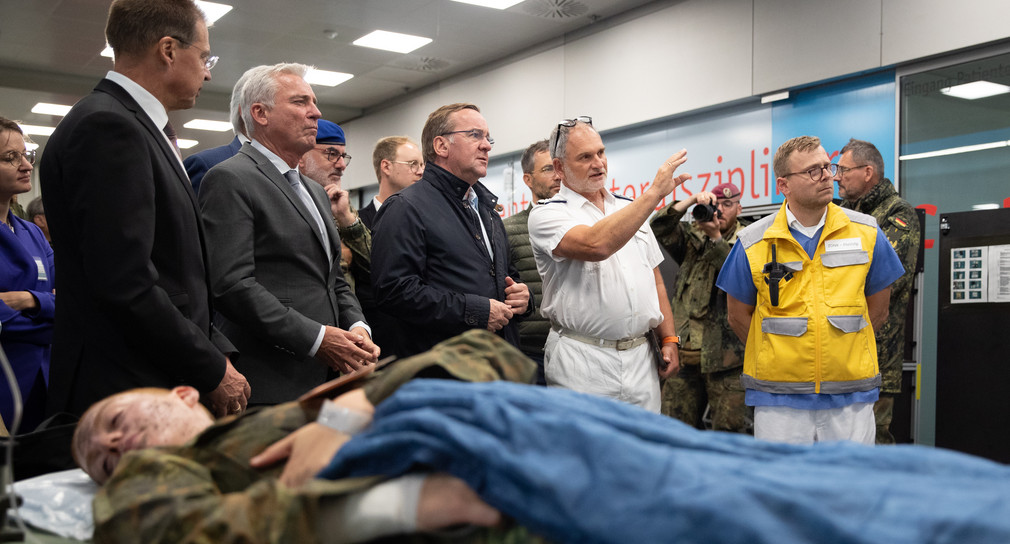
<point x="415" y="167"/>
<point x="728" y="203"/>
<point x="209" y="61"/>
<point x="333" y="155"/>
<point x="842" y="170"/>
<point x="569" y="123"/>
<point x="815" y="173"/>
<point x="547" y="169"/>
<point x="14" y="157"/>
<point x="474" y="134"/>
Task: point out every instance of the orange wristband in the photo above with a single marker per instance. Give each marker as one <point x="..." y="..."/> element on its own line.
<point x="671" y="340"/>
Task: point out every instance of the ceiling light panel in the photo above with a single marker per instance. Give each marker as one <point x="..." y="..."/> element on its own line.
<point x="207" y="124"/>
<point x="975" y="90"/>
<point x="36" y="130"/>
<point x="392" y="41"/>
<point x="45" y="108"/>
<point x="213" y="10"/>
<point x="326" y="78"/>
<point x="495" y="4"/>
<point x="183" y="143"/>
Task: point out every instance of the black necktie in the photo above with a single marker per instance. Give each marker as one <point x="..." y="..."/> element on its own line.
<point x="170" y="132"/>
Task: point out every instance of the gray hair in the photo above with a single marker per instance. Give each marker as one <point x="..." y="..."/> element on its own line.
<point x="559" y="139"/>
<point x="864" y="152"/>
<point x="235" y="107"/>
<point x="260" y="86"/>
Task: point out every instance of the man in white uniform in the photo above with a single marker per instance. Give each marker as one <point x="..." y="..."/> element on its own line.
<point x="602" y="289"/>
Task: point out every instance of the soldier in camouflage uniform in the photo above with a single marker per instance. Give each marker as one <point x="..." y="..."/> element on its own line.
<point x="544" y="182"/>
<point x="316" y="164"/>
<point x="205" y="490"/>
<point x="862" y="186"/>
<point x="711" y="355"/>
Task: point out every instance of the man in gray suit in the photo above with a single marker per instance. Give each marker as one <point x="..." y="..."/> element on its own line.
<point x="274" y="250"/>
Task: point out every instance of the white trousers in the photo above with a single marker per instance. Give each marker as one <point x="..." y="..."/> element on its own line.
<point x="854" y="422"/>
<point x="629" y="376"/>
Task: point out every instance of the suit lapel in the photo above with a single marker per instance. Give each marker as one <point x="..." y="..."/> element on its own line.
<point x="322" y="202"/>
<point x="156" y="133"/>
<point x="267" y="168"/>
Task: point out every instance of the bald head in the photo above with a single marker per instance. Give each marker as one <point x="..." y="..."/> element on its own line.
<point x="133" y="420"/>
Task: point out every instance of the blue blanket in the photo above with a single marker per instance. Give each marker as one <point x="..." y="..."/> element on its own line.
<point x="576" y="468"/>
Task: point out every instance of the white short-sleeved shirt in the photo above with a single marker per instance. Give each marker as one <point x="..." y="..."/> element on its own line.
<point x="610" y="299"/>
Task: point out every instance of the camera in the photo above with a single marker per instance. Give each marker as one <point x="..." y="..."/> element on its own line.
<point x="705" y="212"/>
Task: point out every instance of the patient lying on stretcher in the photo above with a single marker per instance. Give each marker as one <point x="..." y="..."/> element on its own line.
<point x="565" y="466"/>
<point x="172" y="474"/>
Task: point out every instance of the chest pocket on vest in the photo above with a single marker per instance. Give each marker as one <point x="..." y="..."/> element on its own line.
<point x="844" y="276"/>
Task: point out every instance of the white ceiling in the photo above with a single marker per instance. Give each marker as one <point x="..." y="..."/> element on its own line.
<point x="49" y="49"/>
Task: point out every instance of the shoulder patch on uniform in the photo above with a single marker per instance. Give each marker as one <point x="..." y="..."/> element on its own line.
<point x="859" y="217"/>
<point x="753" y="233"/>
<point x="622" y="197"/>
<point x="900" y="222"/>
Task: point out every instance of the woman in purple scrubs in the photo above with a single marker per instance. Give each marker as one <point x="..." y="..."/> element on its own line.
<point x="27" y="298"/>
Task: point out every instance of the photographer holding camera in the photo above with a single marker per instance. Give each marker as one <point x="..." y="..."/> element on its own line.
<point x="711" y="355"/>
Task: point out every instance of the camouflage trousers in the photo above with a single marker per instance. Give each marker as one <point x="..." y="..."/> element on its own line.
<point x="883" y="410"/>
<point x="686" y="395"/>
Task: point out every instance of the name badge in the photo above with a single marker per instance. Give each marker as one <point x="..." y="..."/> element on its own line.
<point x="42" y="269"/>
<point x="843" y="244"/>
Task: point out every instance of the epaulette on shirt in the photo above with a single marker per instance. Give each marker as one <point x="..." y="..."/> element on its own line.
<point x="622" y="197"/>
<point x="551" y="201"/>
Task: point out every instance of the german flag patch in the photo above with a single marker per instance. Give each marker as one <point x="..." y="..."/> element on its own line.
<point x="900" y="222"/>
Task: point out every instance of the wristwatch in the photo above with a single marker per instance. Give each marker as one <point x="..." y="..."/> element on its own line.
<point x="671" y="340"/>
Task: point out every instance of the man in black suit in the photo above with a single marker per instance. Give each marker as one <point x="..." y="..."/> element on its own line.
<point x="134" y="308"/>
<point x="274" y="249"/>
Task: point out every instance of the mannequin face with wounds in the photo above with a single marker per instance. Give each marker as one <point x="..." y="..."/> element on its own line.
<point x="133" y="420"/>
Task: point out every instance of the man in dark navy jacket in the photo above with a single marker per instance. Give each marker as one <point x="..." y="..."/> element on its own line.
<point x="440" y="257"/>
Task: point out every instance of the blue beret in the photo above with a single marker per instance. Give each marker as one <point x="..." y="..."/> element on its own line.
<point x="328" y="132"/>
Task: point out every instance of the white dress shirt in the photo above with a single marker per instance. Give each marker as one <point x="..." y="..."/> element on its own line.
<point x="611" y="299"/>
<point x="147" y="102"/>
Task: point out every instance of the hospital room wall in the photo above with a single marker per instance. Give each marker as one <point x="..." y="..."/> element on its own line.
<point x="674" y="57"/>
